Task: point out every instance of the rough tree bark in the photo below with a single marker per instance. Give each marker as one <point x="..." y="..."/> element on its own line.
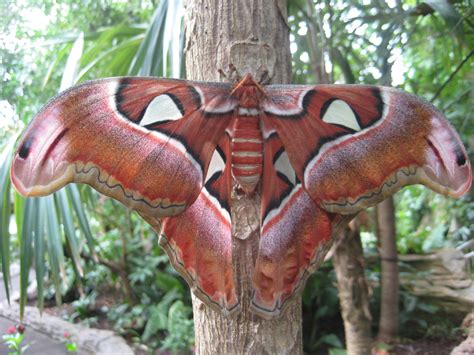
<point x="253" y="37"/>
<point x="389" y="280"/>
<point x="353" y="290"/>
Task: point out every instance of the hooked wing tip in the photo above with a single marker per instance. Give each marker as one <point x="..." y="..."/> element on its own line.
<point x="29" y="184"/>
<point x="34" y="169"/>
<point x="448" y="168"/>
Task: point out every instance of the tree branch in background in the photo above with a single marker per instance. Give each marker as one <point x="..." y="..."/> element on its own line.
<point x="316" y="45"/>
<point x="113" y="266"/>
<point x="343" y="65"/>
<point x="464" y="61"/>
<point x="422" y="9"/>
<point x="116" y="268"/>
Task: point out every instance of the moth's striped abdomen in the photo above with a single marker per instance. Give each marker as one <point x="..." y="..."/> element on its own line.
<point x="247" y="149"/>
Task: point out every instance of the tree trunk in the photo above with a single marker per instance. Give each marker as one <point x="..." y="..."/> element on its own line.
<point x="225" y="39"/>
<point x="353" y="291"/>
<point x="386" y="234"/>
<point x="316" y="45"/>
<point x="252" y="36"/>
<point x="388" y="322"/>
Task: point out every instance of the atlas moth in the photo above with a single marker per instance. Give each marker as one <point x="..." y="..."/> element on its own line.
<point x="170" y="149"/>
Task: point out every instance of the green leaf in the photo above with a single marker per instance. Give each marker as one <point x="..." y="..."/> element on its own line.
<point x="148" y="59"/>
<point x="63" y="52"/>
<point x="152" y="56"/>
<point x="5" y="212"/>
<point x="40" y="205"/>
<point x="71" y="347"/>
<point x="18" y="209"/>
<point x="180" y="327"/>
<point x="69" y="75"/>
<point x="67" y="219"/>
<point x="331" y="339"/>
<point x="75" y="198"/>
<point x="110" y="37"/>
<point x="55" y="252"/>
<point x="158" y="319"/>
<point x="168" y="283"/>
<point x="26" y="252"/>
<point x="120" y="55"/>
<point x="171" y="39"/>
<point x="428" y="308"/>
<point x="323" y="311"/>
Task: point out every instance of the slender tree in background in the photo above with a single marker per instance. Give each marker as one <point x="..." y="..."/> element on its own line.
<point x="389" y="280"/>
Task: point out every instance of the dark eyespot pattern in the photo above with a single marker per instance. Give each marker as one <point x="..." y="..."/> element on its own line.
<point x="24" y="150"/>
<point x="460" y="159"/>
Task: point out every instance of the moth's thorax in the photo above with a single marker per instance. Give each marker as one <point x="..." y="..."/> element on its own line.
<point x="248" y="93"/>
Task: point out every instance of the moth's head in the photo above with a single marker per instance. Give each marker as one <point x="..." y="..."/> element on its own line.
<point x="248" y="92"/>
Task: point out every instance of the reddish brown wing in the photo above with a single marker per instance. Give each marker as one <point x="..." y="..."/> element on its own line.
<point x="352" y="146"/>
<point x="146" y="142"/>
<point x="153" y="145"/>
<point x="338" y="149"/>
<point x="199" y="241"/>
<point x="295" y="234"/>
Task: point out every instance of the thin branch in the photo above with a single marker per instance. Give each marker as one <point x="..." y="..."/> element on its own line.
<point x="119" y="269"/>
<point x="344" y="66"/>
<point x="115" y="267"/>
<point x="459" y="98"/>
<point x="452" y="75"/>
<point x="470" y="11"/>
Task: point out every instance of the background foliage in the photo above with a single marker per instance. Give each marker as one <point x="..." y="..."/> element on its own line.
<point x="102" y="259"/>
